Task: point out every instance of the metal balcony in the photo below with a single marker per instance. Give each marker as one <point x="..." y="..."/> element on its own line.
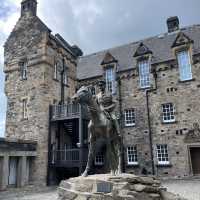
<point x="68" y="111"/>
<point x="69" y="157"/>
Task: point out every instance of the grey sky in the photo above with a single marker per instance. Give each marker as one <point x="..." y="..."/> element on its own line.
<point x="99" y="24"/>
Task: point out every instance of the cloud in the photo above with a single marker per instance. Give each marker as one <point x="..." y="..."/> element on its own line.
<point x="100" y="24"/>
<point x="2" y="128"/>
<point x="8" y="16"/>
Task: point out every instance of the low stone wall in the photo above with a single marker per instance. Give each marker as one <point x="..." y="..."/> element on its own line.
<point x="107" y="187"/>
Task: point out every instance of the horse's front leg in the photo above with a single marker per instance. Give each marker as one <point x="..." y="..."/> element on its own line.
<point x="91" y="152"/>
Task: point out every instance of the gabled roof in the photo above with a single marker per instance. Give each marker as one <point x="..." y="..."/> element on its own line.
<point x="142" y="50"/>
<point x="181" y="39"/>
<point x="89" y="65"/>
<point x="108" y="58"/>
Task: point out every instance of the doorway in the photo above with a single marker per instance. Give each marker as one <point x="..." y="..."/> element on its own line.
<point x="12" y="178"/>
<point x="195" y="160"/>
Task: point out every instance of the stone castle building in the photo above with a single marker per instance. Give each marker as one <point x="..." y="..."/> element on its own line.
<point x="156" y="82"/>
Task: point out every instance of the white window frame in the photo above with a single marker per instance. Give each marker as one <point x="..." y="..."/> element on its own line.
<point x="168" y="111"/>
<point x="110" y="79"/>
<point x="55" y="73"/>
<point x="162" y="154"/>
<point x="184" y="63"/>
<point x="25" y="108"/>
<point x="132" y="156"/>
<point x="24" y="69"/>
<point x="144" y="73"/>
<point x="99" y="159"/>
<point x="129" y="117"/>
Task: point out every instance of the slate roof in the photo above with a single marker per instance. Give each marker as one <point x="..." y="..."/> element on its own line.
<point x="89" y="66"/>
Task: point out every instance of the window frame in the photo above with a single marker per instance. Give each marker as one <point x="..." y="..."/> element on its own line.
<point x="132" y="155"/>
<point x="93" y="90"/>
<point x="144" y="76"/>
<point x="131" y="114"/>
<point x="65" y="78"/>
<point x="55" y="72"/>
<point x="99" y="159"/>
<point x="168" y="113"/>
<point x="110" y="84"/>
<point x="182" y="66"/>
<point x="25" y="108"/>
<point x="162" y="157"/>
<point x="23" y="70"/>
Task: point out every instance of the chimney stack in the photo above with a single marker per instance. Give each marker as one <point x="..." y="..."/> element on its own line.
<point x="29" y="7"/>
<point x="172" y="24"/>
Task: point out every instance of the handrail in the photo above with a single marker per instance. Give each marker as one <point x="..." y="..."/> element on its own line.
<point x="68" y="155"/>
<point x="63" y="111"/>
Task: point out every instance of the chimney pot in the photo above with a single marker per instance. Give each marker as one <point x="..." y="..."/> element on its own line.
<point x="173" y="24"/>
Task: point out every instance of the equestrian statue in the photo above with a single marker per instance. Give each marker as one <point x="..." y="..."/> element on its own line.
<point x="103" y="125"/>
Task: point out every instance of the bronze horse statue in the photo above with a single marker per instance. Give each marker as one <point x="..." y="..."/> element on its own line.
<point x="100" y="127"/>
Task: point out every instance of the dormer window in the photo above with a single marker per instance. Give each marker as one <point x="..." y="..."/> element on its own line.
<point x="109" y="64"/>
<point x="110" y="79"/>
<point x="143" y="55"/>
<point x="184" y="64"/>
<point x="23" y="70"/>
<point x="182" y="46"/>
<point x="144" y="73"/>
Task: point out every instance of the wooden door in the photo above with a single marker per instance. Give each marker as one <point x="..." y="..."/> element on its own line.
<point x="12" y="179"/>
<point x="195" y="159"/>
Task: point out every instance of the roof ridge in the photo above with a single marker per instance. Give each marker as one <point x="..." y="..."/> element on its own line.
<point x="139" y="41"/>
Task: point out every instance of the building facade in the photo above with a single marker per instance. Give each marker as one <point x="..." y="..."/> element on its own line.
<point x="16" y="163"/>
<point x="156" y="82"/>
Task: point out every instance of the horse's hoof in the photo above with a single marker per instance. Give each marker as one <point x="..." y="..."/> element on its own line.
<point x="84" y="174"/>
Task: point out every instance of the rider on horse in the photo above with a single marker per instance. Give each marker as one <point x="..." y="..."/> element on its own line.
<point x="107" y="105"/>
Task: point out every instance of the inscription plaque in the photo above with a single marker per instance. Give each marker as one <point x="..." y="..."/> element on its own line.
<point x="104" y="187"/>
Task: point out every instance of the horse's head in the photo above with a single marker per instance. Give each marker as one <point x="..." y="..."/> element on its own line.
<point x="83" y="95"/>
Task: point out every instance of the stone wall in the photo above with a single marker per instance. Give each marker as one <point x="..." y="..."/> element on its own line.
<point x="184" y="95"/>
<point x="30" y="41"/>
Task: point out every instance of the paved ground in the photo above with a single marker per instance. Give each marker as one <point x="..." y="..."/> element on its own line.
<point x="30" y="193"/>
<point x="189" y="189"/>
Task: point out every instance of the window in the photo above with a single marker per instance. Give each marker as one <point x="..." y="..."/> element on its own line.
<point x="65" y="77"/>
<point x="129" y="115"/>
<point x="162" y="154"/>
<point x="132" y="157"/>
<point x="24" y="108"/>
<point x="93" y="91"/>
<point x="184" y="65"/>
<point x="168" y="112"/>
<point x="144" y="73"/>
<point x="23" y="69"/>
<point x="99" y="159"/>
<point x="110" y="79"/>
<point x="55" y="76"/>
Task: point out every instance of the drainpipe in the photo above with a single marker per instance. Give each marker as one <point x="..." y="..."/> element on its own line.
<point x="121" y="120"/>
<point x="62" y="84"/>
<point x="49" y="148"/>
<point x="149" y="121"/>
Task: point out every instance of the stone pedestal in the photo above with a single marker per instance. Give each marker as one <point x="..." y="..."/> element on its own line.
<point x="107" y="187"/>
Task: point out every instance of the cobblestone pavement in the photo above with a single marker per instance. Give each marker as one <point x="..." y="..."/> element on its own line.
<point x="30" y="193"/>
<point x="189" y="189"/>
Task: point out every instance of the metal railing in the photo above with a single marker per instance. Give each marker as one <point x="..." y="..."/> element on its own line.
<point x="65" y="111"/>
<point x="68" y="155"/>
